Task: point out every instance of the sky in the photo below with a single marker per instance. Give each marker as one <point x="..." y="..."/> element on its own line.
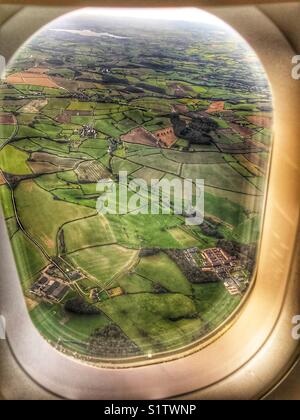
<point x="183" y="14"/>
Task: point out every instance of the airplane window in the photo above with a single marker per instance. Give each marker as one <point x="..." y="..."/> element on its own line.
<point x="134" y="151"/>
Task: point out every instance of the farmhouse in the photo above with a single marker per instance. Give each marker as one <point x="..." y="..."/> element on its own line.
<point x="59" y="292"/>
<point x="49" y="289"/>
<point x="88" y="131"/>
<point x="51" y="285"/>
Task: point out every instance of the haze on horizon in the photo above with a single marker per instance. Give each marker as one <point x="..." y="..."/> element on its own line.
<point x="172" y="14"/>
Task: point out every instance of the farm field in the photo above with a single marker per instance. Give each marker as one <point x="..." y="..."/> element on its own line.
<point x="155" y="268"/>
<point x="161" y="316"/>
<point x="102" y="263"/>
<point x="160" y="101"/>
<point x="91" y="231"/>
<point x="29" y="259"/>
<point x="42" y="217"/>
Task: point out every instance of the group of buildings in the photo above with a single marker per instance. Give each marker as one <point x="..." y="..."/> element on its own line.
<point x="227" y="269"/>
<point x="50" y="288"/>
<point x="88" y="131"/>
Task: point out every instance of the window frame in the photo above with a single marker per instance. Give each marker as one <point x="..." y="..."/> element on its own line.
<point x="255" y="348"/>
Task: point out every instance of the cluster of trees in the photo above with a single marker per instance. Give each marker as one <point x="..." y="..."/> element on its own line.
<point x="61" y="242"/>
<point x="113" y="80"/>
<point x="196" y="131"/>
<point x="151" y="88"/>
<point x="15" y="179"/>
<point x="149" y="252"/>
<point x="110" y="341"/>
<point x="157" y="65"/>
<point x="79" y="306"/>
<point x="211" y="229"/>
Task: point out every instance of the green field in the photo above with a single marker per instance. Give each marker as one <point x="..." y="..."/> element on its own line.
<point x="194" y="158"/>
<point x="214" y="303"/>
<point x="155" y="322"/>
<point x="144" y="231"/>
<point x="248" y="232"/>
<point x="42" y="216"/>
<point x="29" y="259"/>
<point x="155" y="269"/>
<point x="13" y="161"/>
<point x="183" y="238"/>
<point x="124" y="165"/>
<point x="221" y="176"/>
<point x="102" y="263"/>
<point x="149" y="175"/>
<point x="134" y="283"/>
<point x="12" y="226"/>
<point x="6" y="131"/>
<point x="6" y="201"/>
<point x="73" y="331"/>
<point x="88" y="232"/>
<point x="53" y="181"/>
<point x="159" y="162"/>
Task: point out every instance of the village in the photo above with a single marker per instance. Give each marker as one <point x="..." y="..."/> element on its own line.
<point x="227" y="269"/>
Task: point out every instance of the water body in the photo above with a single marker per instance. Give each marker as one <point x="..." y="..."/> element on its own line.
<point x="89" y="33"/>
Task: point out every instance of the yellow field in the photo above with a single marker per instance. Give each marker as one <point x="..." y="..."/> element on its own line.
<point x="249" y="166"/>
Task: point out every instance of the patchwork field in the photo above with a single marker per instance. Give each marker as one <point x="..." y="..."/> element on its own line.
<point x="168" y="101"/>
<point x="221" y="176"/>
<point x="31" y="78"/>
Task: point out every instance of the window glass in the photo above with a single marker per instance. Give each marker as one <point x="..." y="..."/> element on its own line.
<point x="134" y="150"/>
